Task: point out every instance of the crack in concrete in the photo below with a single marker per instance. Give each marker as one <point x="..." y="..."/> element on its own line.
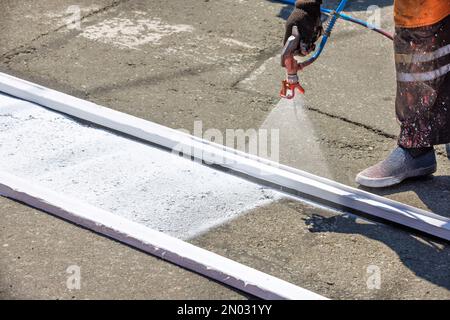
<point x="340" y="118"/>
<point x="358" y="124"/>
<point x="330" y="115"/>
<point x="362" y="125"/>
<point x="27" y="48"/>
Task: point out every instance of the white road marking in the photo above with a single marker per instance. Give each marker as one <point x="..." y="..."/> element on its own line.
<point x="136" y="181"/>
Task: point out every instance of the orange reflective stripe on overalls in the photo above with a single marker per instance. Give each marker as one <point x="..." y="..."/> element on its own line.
<point x="419" y="13"/>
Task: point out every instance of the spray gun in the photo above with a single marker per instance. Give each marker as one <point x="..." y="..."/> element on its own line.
<point x="289" y="62"/>
<point x="292" y="66"/>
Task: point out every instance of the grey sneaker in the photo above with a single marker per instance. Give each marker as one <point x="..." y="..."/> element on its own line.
<point x="398" y="166"/>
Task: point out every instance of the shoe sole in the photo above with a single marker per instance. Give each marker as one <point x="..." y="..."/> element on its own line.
<point x="390" y="181"/>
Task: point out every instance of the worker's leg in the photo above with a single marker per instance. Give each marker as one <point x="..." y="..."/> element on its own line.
<point x="422" y="59"/>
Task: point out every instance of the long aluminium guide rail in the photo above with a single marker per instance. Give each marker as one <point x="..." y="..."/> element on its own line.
<point x="154" y="242"/>
<point x="240" y="162"/>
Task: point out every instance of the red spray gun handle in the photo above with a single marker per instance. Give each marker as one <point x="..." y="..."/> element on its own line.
<point x="288" y="61"/>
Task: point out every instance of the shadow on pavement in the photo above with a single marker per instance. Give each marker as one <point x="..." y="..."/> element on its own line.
<point x="426" y="259"/>
<point x="433" y="191"/>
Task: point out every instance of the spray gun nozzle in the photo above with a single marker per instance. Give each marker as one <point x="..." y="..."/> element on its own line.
<point x="288" y="87"/>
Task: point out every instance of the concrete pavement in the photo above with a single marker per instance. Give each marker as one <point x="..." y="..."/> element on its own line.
<point x="215" y="61"/>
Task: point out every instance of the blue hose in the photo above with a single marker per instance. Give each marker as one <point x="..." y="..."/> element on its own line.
<point x="363" y="23"/>
<point x="326" y="34"/>
<point x="335" y="14"/>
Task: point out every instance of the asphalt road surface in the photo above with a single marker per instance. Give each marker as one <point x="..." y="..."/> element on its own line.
<point x="183" y="61"/>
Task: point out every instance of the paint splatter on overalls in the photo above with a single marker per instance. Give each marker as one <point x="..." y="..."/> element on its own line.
<point x="422" y="59"/>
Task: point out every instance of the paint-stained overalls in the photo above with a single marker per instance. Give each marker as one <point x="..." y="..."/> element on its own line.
<point x="422" y="60"/>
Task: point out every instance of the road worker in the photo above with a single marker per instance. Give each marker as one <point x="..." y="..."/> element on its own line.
<point x="422" y="62"/>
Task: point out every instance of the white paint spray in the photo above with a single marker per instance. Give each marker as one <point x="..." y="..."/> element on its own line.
<point x="299" y="145"/>
<point x="136" y="181"/>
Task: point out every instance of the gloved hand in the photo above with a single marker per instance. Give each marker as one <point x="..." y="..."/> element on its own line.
<point x="306" y="16"/>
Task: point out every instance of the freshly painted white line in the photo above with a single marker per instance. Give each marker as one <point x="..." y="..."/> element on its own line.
<point x="132" y="179"/>
<point x="166" y="247"/>
<point x="237" y="161"/>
